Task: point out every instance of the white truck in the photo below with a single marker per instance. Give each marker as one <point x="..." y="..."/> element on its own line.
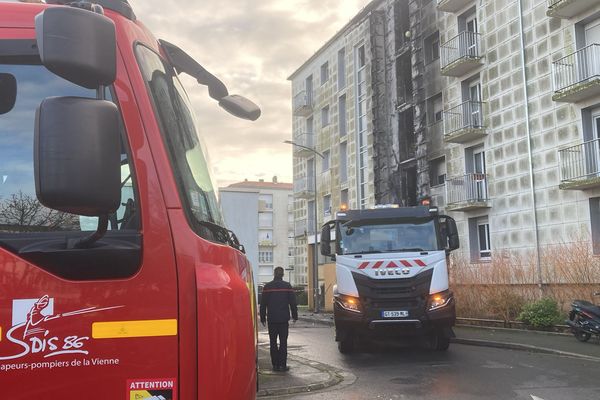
<point x="392" y="274"/>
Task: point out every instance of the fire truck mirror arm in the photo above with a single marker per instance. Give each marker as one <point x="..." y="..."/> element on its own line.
<point x="236" y="105"/>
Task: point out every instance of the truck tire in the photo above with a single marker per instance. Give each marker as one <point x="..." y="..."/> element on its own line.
<point x="346" y="345"/>
<point x="440" y="342"/>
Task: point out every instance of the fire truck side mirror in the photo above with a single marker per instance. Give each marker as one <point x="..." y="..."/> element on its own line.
<point x="77" y="161"/>
<point x="452" y="231"/>
<point x="77" y="45"/>
<point x="8" y="92"/>
<point x="326" y="241"/>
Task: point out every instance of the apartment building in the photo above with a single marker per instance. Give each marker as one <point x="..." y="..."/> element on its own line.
<point x="521" y="119"/>
<point x="260" y="214"/>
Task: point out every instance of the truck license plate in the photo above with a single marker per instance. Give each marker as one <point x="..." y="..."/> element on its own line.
<point x="394" y="314"/>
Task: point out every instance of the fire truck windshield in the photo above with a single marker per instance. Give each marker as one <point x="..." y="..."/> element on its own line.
<point x="389" y="237"/>
<point x="179" y="126"/>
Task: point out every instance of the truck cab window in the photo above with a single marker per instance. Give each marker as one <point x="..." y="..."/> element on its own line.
<point x="20" y="211"/>
<point x="187" y="154"/>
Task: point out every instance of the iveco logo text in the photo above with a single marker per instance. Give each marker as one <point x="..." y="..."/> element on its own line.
<point x="397" y="271"/>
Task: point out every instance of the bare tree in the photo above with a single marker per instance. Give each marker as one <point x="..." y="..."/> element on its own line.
<point x="24" y="213"/>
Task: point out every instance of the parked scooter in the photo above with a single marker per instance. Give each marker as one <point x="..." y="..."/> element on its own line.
<point x="584" y="319"/>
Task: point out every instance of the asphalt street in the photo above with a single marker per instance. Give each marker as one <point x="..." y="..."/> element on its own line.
<point x="385" y="371"/>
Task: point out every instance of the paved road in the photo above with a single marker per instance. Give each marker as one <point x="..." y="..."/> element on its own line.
<point x="461" y="373"/>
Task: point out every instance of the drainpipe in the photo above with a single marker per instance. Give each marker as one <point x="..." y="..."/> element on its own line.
<point x="531" y="179"/>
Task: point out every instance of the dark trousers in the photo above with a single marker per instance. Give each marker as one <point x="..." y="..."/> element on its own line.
<point x="278" y="353"/>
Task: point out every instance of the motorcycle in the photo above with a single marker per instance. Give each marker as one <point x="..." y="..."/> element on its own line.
<point x="584" y="319"/>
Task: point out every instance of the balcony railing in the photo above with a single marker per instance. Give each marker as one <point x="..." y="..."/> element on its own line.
<point x="304" y="187"/>
<point x="300" y="228"/>
<point x="461" y="54"/>
<point x="580" y="166"/>
<point x="324" y="181"/>
<point x="307" y="140"/>
<point x="577" y="76"/>
<point x="464" y="122"/>
<point x="569" y="8"/>
<point x="467" y="192"/>
<point x="452" y="5"/>
<point x="302" y="104"/>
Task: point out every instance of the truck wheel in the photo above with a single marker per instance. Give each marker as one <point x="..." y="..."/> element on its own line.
<point x="346" y="345"/>
<point x="440" y="342"/>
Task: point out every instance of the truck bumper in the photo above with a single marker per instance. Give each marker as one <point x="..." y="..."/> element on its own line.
<point x="438" y="321"/>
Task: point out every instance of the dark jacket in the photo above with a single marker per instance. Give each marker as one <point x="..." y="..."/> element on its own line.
<point x="278" y="298"/>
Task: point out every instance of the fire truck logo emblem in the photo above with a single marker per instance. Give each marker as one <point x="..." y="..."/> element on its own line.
<point x="30" y="331"/>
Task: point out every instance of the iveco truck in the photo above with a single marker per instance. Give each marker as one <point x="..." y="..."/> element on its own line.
<point x="392" y="274"/>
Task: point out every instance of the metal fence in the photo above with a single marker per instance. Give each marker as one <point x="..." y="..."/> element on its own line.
<point x="580" y="162"/>
<point x="303" y="100"/>
<point x="577" y="67"/>
<point x="306" y="184"/>
<point x="468" y="115"/>
<point x="467" y="188"/>
<point x="465" y="45"/>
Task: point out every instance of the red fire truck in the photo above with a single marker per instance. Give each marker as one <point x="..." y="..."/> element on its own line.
<point x="117" y="277"/>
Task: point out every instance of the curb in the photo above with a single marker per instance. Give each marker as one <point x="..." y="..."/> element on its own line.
<point x="491" y="328"/>
<point x="522" y="347"/>
<point x="335" y="377"/>
<point x="489" y="343"/>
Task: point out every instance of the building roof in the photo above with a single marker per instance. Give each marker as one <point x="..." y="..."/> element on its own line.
<point x="356" y="19"/>
<point x="261" y="185"/>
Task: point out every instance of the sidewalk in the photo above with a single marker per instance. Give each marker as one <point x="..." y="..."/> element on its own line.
<point x="541" y="342"/>
<point x="304" y="375"/>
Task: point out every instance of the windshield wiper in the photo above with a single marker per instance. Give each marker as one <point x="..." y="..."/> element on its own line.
<point x="221" y="233"/>
<point x="409" y="249"/>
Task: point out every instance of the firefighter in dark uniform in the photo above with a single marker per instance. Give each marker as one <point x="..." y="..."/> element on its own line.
<point x="278" y="298"/>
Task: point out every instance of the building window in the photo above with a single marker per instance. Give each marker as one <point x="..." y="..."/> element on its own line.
<point x="324" y="73"/>
<point x="343" y="162"/>
<point x="326" y="159"/>
<point x="432" y="47"/>
<point x="265" y="220"/>
<point x="342" y="115"/>
<point x="266" y="201"/>
<point x="437" y="171"/>
<point x="479" y="239"/>
<point x="595" y="224"/>
<point x="265" y="236"/>
<point x="435" y="109"/>
<point x="265" y="256"/>
<point x="324" y="116"/>
<point x="344" y="197"/>
<point x="341" y="69"/>
<point x="327" y="205"/>
<point x="361" y="116"/>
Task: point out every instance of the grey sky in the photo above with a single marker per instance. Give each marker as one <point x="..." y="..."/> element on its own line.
<point x="252" y="46"/>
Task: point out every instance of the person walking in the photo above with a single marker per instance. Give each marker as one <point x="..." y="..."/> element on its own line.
<point x="278" y="298"/>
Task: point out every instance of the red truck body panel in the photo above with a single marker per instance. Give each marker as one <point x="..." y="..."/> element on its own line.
<point x="184" y="322"/>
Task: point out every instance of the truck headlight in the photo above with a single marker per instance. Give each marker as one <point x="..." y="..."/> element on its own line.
<point x="349" y="303"/>
<point x="439" y="300"/>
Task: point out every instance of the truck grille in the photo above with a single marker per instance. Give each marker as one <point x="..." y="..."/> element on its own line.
<point x="409" y="294"/>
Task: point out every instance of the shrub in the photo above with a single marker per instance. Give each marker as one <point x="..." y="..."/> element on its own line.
<point x="301" y="295"/>
<point x="543" y="313"/>
<point x="505" y="304"/>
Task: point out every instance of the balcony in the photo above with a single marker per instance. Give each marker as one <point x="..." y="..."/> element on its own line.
<point x="438" y="195"/>
<point x="306" y="140"/>
<point x="461" y="54"/>
<point x="266" y="243"/>
<point x="464" y="122"/>
<point x="324" y="182"/>
<point x="304" y="188"/>
<point x="580" y="166"/>
<point x="569" y="8"/>
<point x="452" y="6"/>
<point x="466" y="193"/>
<point x="577" y="76"/>
<point x="300" y="228"/>
<point x="302" y="104"/>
